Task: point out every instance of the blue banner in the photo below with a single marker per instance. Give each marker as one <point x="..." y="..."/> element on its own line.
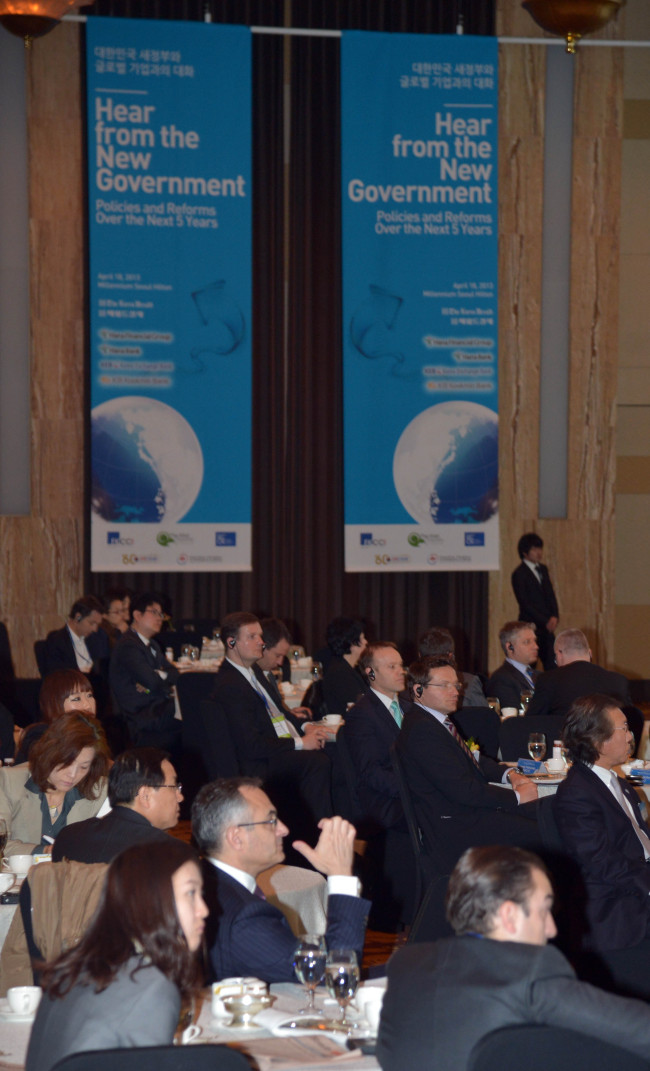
<point x="169" y="207"/>
<point x="419" y="173"/>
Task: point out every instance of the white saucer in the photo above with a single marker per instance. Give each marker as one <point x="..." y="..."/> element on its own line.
<point x="8" y="1016"/>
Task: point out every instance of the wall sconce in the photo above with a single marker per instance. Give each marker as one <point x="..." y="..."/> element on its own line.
<point x="572" y="18"/>
<point x="33" y="18"/>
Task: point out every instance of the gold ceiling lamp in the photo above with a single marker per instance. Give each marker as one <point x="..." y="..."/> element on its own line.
<point x="572" y="18"/>
<point x="33" y="18"/>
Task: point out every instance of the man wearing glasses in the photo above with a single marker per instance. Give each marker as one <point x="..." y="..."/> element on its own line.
<point x="456" y="805"/>
<point x="240" y="835"/>
<point x="141" y="680"/>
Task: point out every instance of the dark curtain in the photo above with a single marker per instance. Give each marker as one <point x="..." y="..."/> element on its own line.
<point x="298" y="564"/>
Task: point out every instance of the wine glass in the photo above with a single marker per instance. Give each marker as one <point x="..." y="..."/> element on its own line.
<point x="342" y="980"/>
<point x="537" y="746"/>
<point x="524" y="699"/>
<point x="309" y="965"/>
<point x="316" y="671"/>
<point x="494" y="702"/>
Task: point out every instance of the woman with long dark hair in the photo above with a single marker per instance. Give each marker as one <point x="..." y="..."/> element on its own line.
<point x="64" y="781"/>
<point x="122" y="986"/>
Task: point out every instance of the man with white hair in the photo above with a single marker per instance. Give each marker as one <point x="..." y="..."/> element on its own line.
<point x="576" y="675"/>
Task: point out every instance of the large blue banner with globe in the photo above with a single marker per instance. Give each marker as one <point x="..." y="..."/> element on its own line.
<point x="169" y="207"/>
<point x="419" y="174"/>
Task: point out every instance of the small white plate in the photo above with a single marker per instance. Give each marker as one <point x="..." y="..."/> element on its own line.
<point x="547" y="779"/>
<point x="9" y="1016"/>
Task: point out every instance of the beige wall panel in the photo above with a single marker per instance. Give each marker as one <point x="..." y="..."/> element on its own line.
<point x="633" y="432"/>
<point x="632" y="656"/>
<point x="632" y="558"/>
<point x="635" y="202"/>
<point x="634" y="336"/>
<point x="44" y="552"/>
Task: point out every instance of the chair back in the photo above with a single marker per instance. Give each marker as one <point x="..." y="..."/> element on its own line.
<point x="40" y="654"/>
<point x="482" y="724"/>
<point x="424" y="865"/>
<point x="542" y="1047"/>
<point x="430" y="923"/>
<point x="514" y="733"/>
<point x="344" y="787"/>
<point x="157" y="1058"/>
<point x="214" y="741"/>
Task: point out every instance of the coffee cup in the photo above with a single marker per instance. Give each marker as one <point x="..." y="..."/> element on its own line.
<point x="369" y="999"/>
<point x="332" y="719"/>
<point x="508" y="712"/>
<point x="555" y="765"/>
<point x="6" y="881"/>
<point x="20" y="864"/>
<point x="24" y="999"/>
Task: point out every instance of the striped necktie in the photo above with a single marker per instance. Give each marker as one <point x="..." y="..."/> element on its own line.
<point x="449" y="725"/>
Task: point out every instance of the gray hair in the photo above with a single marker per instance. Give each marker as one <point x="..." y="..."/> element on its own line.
<point x="510" y="630"/>
<point x="217" y="806"/>
<point x="572" y="642"/>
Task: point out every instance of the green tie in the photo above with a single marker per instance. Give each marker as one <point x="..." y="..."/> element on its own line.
<point x="397" y="713"/>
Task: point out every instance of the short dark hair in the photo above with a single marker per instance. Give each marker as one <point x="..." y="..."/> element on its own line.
<point x="132" y="770"/>
<point x="417" y="675"/>
<point x="435" y="643"/>
<point x="587" y="726"/>
<point x="59" y="746"/>
<point x="274" y="630"/>
<point x="510" y="630"/>
<point x="483" y="879"/>
<point x="365" y="662"/>
<point x="231" y="624"/>
<point x="56" y="687"/>
<point x="85" y="606"/>
<point x="142" y="602"/>
<point x="527" y="542"/>
<point x="113" y="595"/>
<point x="342" y="634"/>
<point x="136" y="906"/>
<point x="216" y="807"/>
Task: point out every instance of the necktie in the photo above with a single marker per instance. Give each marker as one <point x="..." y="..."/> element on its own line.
<point x="397" y="713"/>
<point x="538" y="572"/>
<point x="282" y="727"/>
<point x="449" y="725"/>
<point x="258" y="893"/>
<point x="627" y="807"/>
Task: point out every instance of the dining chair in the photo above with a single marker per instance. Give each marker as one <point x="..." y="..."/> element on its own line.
<point x="541" y="1047"/>
<point x="157" y="1058"/>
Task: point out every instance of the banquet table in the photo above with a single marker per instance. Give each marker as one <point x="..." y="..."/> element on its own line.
<point x="313" y="1051"/>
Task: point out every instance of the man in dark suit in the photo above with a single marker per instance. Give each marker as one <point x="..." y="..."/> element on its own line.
<point x="439" y="643"/>
<point x="267" y="741"/>
<point x="371" y="727"/>
<point x="80" y="644"/>
<point x="601" y="826"/>
<point x="141" y="680"/>
<point x="145" y="798"/>
<point x="515" y="674"/>
<point x="534" y="593"/>
<point x="455" y="803"/>
<point x="276" y="639"/>
<point x="575" y="675"/>
<point x="240" y="835"/>
<point x="443" y="998"/>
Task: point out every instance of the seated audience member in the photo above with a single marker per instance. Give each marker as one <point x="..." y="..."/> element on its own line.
<point x="342" y="682"/>
<point x="439" y="643"/>
<point x="455" y="804"/>
<point x="535" y="595"/>
<point x="276" y="640"/>
<point x="576" y="675"/>
<point x="80" y="644"/>
<point x="141" y="679"/>
<point x="145" y="798"/>
<point x="62" y="692"/>
<point x="601" y="826"/>
<point x="64" y="781"/>
<point x="371" y="727"/>
<point x="443" y="998"/>
<point x="122" y="985"/>
<point x="240" y="835"/>
<point x="269" y="744"/>
<point x="516" y="674"/>
<point x="115" y="614"/>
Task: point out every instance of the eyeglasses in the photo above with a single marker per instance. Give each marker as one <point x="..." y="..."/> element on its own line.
<point x="156" y="613"/>
<point x="444" y="684"/>
<point x="267" y="822"/>
<point x="176" y="788"/>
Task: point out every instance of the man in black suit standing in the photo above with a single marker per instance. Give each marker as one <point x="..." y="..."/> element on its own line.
<point x="371" y="727"/>
<point x="515" y="674"/>
<point x="267" y="741"/>
<point x="142" y="679"/>
<point x="534" y="593"/>
<point x="498" y="971"/>
<point x="601" y="826"/>
<point x="455" y="803"/>
<point x="575" y="675"/>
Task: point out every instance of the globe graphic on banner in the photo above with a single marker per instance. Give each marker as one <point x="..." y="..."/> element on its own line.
<point x="147" y="464"/>
<point x="445" y="465"/>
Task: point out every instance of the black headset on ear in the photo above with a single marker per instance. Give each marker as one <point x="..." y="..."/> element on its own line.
<point x="419" y="690"/>
<point x="371" y="673"/>
<point x="231" y="644"/>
